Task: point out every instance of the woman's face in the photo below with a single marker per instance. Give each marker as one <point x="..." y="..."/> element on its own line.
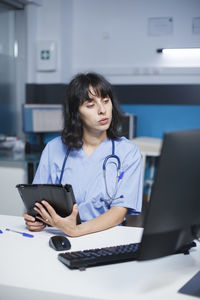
<point x="96" y="114"/>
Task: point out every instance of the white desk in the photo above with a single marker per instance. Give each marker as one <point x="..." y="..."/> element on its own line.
<point x="149" y="147"/>
<point x="29" y="269"/>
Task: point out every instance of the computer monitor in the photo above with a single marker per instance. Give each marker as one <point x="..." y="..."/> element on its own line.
<point x="41" y="118"/>
<point x="172" y="220"/>
<point x="128" y="126"/>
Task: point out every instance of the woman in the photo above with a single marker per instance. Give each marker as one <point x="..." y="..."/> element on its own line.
<point x="106" y="189"/>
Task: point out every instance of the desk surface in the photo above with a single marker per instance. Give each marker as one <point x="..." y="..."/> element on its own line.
<point x="148" y="146"/>
<point x="11" y="156"/>
<point x="29" y="268"/>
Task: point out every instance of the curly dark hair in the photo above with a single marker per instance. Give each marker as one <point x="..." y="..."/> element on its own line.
<point x="78" y="92"/>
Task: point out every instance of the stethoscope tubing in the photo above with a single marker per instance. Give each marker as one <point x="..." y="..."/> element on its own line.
<point x="63" y="165"/>
<point x="111" y="156"/>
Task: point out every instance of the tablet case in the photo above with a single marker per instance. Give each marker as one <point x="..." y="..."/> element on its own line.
<point x="60" y="197"/>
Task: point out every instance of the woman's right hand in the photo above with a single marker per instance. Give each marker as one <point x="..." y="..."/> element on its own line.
<point x="32" y="224"/>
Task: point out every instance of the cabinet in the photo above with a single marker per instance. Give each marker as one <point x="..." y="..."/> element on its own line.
<point x="10" y="175"/>
<point x="15" y="168"/>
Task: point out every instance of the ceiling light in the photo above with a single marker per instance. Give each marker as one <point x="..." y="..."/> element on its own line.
<point x="182" y="51"/>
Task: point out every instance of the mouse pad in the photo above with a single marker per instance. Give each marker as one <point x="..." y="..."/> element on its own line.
<point x="192" y="287"/>
<point x="60" y="197"/>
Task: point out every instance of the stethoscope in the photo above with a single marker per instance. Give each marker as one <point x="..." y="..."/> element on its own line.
<point x="115" y="160"/>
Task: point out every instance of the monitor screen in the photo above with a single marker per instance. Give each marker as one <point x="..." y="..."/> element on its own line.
<point x="38" y="118"/>
<point x="128" y="126"/>
<point x="173" y="215"/>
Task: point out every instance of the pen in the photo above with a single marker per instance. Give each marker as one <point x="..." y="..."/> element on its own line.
<point x="22" y="233"/>
<point x="120" y="176"/>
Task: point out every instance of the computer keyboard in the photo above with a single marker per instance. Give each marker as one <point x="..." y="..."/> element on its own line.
<point x="99" y="256"/>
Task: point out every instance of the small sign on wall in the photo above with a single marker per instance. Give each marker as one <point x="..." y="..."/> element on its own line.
<point x="46" y="56"/>
<point x="160" y="26"/>
<point x="196" y="25"/>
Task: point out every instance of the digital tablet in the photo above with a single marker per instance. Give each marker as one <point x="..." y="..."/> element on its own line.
<point x="60" y="197"/>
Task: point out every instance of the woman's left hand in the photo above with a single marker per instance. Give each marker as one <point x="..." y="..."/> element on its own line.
<point x="49" y="216"/>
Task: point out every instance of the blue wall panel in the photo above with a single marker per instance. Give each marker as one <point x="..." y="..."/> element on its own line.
<point x="154" y="120"/>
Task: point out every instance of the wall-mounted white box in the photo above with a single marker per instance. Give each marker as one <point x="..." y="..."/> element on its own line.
<point x="46" y="56"/>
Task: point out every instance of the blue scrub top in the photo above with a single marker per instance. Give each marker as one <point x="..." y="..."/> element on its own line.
<point x="85" y="174"/>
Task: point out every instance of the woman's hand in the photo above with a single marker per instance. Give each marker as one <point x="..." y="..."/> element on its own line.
<point x="32" y="224"/>
<point x="50" y="217"/>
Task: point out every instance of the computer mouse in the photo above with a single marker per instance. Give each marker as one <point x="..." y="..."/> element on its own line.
<point x="59" y="243"/>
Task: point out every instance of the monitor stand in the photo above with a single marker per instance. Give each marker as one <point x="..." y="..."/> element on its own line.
<point x="192" y="287"/>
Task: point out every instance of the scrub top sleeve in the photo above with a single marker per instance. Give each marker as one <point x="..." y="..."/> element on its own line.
<point x="42" y="175"/>
<point x="130" y="187"/>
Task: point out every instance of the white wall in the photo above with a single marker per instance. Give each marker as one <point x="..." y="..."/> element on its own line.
<point x="52" y="21"/>
<point x="111" y="37"/>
